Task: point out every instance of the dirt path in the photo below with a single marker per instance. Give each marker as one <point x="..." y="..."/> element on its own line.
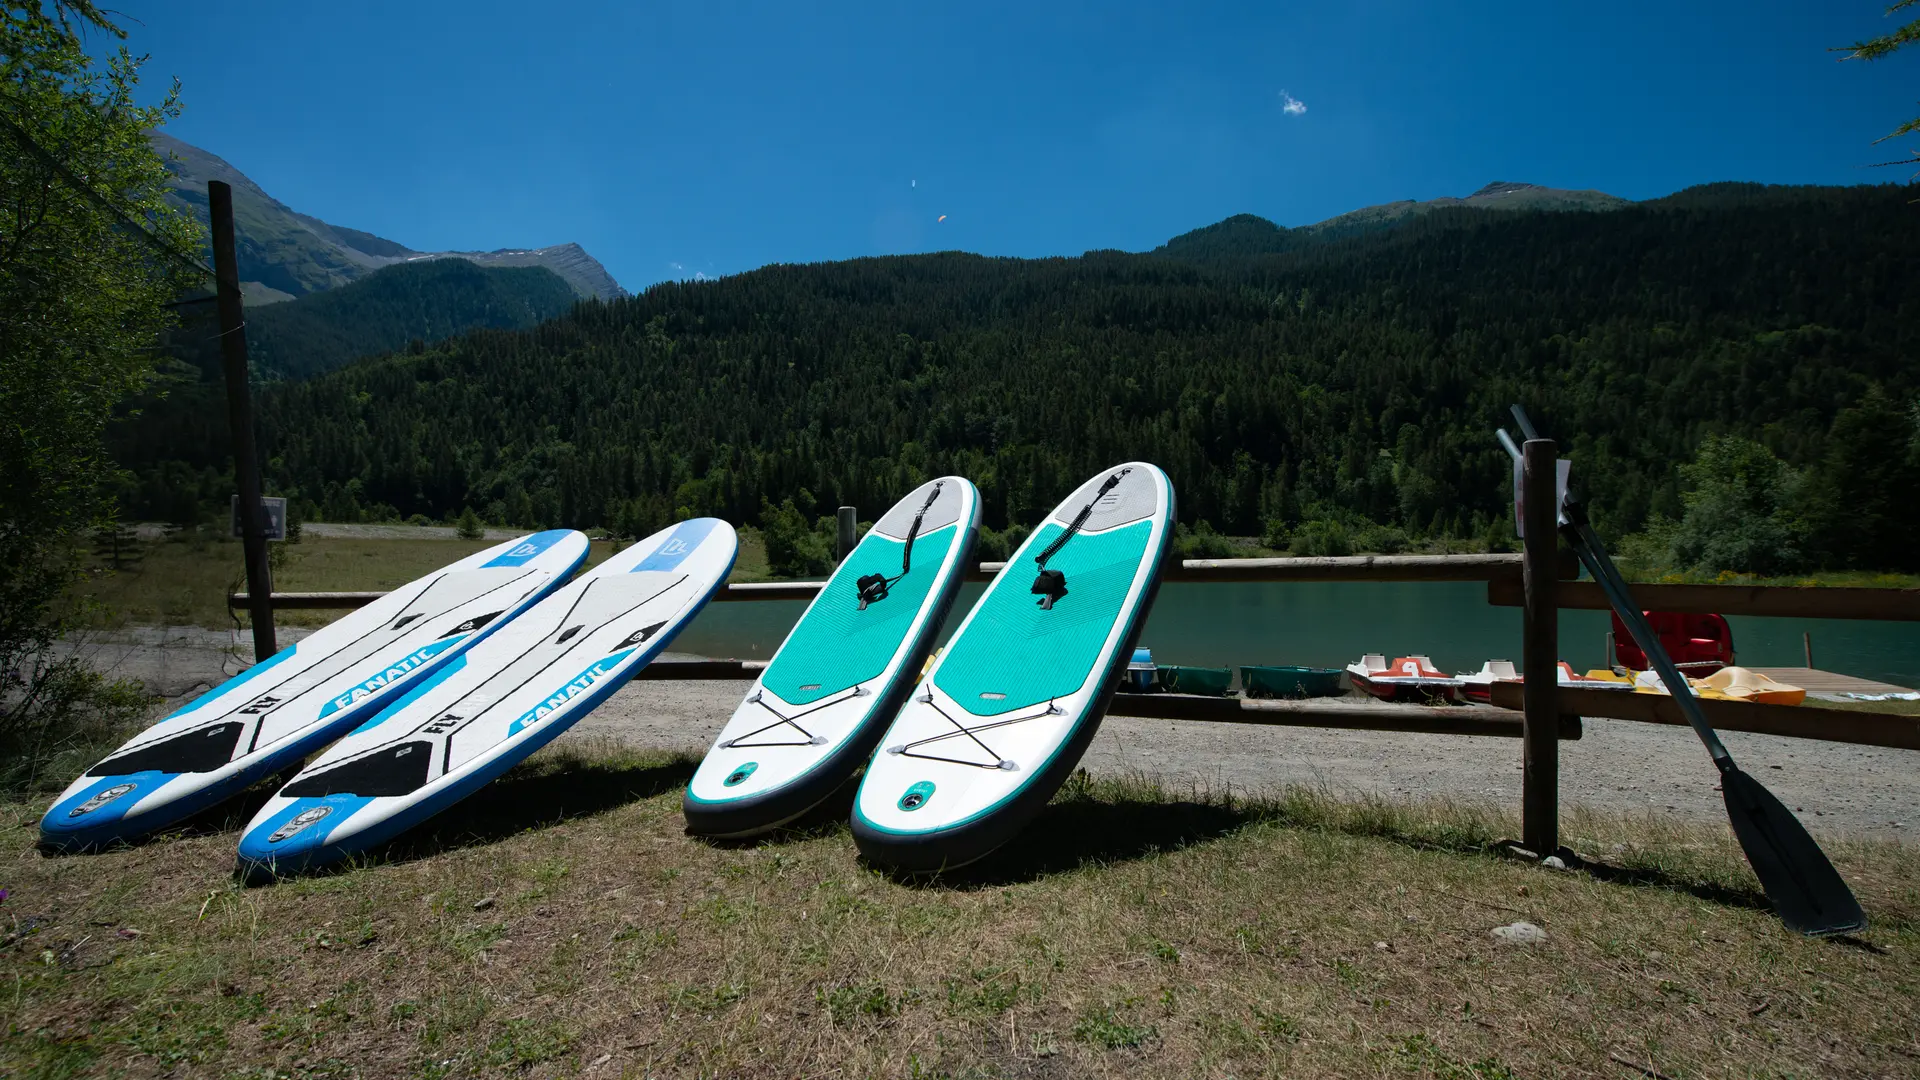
<point x="1618" y="765"/>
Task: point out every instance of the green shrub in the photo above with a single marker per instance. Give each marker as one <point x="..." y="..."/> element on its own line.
<point x="1381" y="540"/>
<point x="1737" y="516"/>
<point x="61" y="716"/>
<point x="794" y="549"/>
<point x="1201" y="542"/>
<point x="1276" y="534"/>
<point x="999" y="546"/>
<point x="1322" y="537"/>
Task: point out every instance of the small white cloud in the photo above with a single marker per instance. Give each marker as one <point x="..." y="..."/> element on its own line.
<point x="698" y="276"/>
<point x="675" y="266"/>
<point x="1291" y="105"/>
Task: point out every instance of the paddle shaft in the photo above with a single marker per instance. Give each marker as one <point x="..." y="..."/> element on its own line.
<point x="1807" y="892"/>
<point x="1586" y="545"/>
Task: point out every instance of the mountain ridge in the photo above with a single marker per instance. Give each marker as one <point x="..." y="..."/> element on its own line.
<point x="284" y="253"/>
<point x="1245" y="235"/>
<point x="407" y="304"/>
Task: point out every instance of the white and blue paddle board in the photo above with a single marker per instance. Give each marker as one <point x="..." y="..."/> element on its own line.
<point x="280" y="710"/>
<point x="812" y="717"/>
<point x="494" y="705"/>
<point x="1005" y="713"/>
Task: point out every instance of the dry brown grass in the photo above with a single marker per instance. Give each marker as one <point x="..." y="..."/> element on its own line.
<point x="561" y="923"/>
<point x="185" y="581"/>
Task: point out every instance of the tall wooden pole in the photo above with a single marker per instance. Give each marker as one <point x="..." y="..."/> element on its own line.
<point x="846" y="524"/>
<point x="1540" y="751"/>
<point x="246" y="462"/>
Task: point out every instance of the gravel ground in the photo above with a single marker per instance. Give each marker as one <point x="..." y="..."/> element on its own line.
<point x="1618" y="765"/>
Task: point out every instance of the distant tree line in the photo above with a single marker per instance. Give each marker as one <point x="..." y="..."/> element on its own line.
<point x="1332" y="395"/>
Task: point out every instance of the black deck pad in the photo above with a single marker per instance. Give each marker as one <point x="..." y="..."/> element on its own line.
<point x="201" y="750"/>
<point x="393" y="770"/>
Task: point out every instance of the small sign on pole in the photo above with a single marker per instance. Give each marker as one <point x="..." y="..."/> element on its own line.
<point x="275" y="516"/>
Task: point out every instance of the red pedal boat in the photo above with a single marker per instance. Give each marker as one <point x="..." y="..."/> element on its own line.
<point x="1408" y="678"/>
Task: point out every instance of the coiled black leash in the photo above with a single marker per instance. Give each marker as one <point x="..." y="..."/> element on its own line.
<point x="1051" y="585"/>
<point x="873" y="587"/>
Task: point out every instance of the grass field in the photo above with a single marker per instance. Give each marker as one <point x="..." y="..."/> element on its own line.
<point x="185" y="581"/>
<point x="561" y="924"/>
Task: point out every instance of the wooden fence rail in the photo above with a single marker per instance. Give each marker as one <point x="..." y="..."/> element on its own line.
<point x="1487" y="568"/>
<point x="1500" y="572"/>
<point x="1345" y="716"/>
<point x="1772" y="601"/>
<point x="1793" y="721"/>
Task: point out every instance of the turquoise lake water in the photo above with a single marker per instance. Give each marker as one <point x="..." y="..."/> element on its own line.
<point x="1330" y="624"/>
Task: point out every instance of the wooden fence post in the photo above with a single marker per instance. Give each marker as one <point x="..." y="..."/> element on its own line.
<point x="246" y="463"/>
<point x="1540" y="741"/>
<point x="844" y="539"/>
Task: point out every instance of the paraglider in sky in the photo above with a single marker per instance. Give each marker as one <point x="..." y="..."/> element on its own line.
<point x="943" y="217"/>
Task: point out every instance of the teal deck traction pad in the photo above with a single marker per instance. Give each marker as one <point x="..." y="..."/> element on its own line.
<point x="838" y="646"/>
<point x="1032" y="656"/>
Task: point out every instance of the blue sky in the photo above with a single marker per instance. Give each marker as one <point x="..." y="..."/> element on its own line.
<point x="679" y="138"/>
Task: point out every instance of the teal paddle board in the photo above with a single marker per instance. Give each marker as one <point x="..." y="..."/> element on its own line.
<point x="814" y="714"/>
<point x="1006" y="711"/>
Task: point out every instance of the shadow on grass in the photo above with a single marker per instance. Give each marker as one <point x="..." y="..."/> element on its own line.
<point x="1654" y="877"/>
<point x="536" y="795"/>
<point x="828" y="818"/>
<point x="1081" y="832"/>
<point x="1098" y="822"/>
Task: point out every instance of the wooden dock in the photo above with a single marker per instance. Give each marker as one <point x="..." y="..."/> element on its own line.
<point x="1815" y="681"/>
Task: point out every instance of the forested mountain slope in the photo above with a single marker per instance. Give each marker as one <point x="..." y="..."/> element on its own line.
<point x="1356" y="376"/>
<point x="425" y="301"/>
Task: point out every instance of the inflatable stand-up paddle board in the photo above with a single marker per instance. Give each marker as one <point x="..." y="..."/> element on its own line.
<point x="493" y="706"/>
<point x="294" y="702"/>
<point x="1004" y="714"/>
<point x="814" y="714"/>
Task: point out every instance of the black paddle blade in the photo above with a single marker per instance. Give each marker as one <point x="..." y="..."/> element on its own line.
<point x="1806" y="890"/>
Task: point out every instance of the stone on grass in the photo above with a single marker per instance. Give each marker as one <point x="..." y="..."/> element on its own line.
<point x="1520" y="933"/>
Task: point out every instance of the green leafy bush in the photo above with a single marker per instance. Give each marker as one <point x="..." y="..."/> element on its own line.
<point x="794" y="549"/>
<point x="1738" y="511"/>
<point x="1322" y="537"/>
<point x="999" y="545"/>
<point x="1201" y="542"/>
